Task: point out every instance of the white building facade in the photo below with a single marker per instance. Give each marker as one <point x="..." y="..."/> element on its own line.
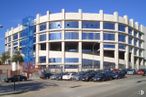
<point x="77" y="41"/>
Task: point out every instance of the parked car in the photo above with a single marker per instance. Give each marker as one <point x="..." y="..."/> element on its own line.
<point x="57" y="76"/>
<point x="102" y="76"/>
<point x="144" y="74"/>
<point x="68" y="76"/>
<point x="131" y="71"/>
<point x="46" y="76"/>
<point x="140" y="72"/>
<point x="118" y="74"/>
<point x="78" y="76"/>
<point x="88" y="76"/>
<point x="16" y="78"/>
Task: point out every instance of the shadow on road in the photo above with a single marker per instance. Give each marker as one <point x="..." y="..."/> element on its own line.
<point x="25" y="86"/>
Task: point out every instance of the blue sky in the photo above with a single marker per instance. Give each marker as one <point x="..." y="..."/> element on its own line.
<point x="13" y="11"/>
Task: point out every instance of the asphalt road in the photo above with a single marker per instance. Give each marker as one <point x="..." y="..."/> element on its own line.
<point x="132" y="86"/>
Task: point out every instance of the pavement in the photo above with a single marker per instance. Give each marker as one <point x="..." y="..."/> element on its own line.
<point x="132" y="86"/>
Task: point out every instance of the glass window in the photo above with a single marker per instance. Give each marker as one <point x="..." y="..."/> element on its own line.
<point x="71" y="60"/>
<point x="34" y="39"/>
<point x="43" y="46"/>
<point x="15" y="36"/>
<point x="71" y="46"/>
<point x="15" y="43"/>
<point x="86" y="63"/>
<point x="54" y="66"/>
<point x="109" y="46"/>
<point x="121" y="46"/>
<point x="42" y="59"/>
<point x="43" y="37"/>
<point x="140" y="35"/>
<point x="71" y="24"/>
<point x="43" y="26"/>
<point x="135" y="33"/>
<point x="140" y="43"/>
<point x="122" y="27"/>
<point x="130" y="40"/>
<point x="91" y="36"/>
<point x="108" y="25"/>
<point x="23" y="33"/>
<point x="55" y="25"/>
<point x="71" y="66"/>
<point x="23" y="42"/>
<point x="71" y="35"/>
<point x="135" y="42"/>
<point x="135" y="52"/>
<point x="54" y="60"/>
<point x="9" y="38"/>
<point x="90" y="24"/>
<point x="55" y="36"/>
<point x="121" y="38"/>
<point x="34" y="28"/>
<point x="109" y="36"/>
<point x="130" y="30"/>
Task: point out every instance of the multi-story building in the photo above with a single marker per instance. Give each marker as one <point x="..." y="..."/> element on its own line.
<point x="75" y="41"/>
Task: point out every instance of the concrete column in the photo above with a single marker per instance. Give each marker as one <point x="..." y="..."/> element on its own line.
<point x="132" y="53"/>
<point x="116" y="41"/>
<point x="37" y="39"/>
<point x="137" y="64"/>
<point x="63" y="43"/>
<point x="101" y="39"/>
<point x="127" y="47"/>
<point x="132" y="58"/>
<point x="47" y="39"/>
<point x="80" y="39"/>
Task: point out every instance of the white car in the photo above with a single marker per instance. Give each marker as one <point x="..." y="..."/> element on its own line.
<point x="67" y="76"/>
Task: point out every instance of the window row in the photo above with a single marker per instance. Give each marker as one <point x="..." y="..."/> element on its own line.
<point x="85" y="24"/>
<point x="42" y="59"/>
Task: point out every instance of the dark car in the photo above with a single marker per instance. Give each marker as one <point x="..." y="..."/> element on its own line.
<point x="78" y="76"/>
<point x="144" y="74"/>
<point x="56" y="76"/>
<point x="118" y="74"/>
<point x="102" y="76"/>
<point x="46" y="75"/>
<point x="16" y="78"/>
<point x="88" y="76"/>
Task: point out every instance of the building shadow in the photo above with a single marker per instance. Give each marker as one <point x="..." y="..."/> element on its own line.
<point x="25" y="86"/>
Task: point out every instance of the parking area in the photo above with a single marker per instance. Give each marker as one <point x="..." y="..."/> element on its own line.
<point x="54" y="88"/>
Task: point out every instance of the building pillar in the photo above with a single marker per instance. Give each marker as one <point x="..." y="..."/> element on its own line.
<point x="37" y="39"/>
<point x="116" y="54"/>
<point x="63" y="43"/>
<point x="127" y="47"/>
<point x="47" y="39"/>
<point x="101" y="13"/>
<point x="132" y="53"/>
<point x="80" y="43"/>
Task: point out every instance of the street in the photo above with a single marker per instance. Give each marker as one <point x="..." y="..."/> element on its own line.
<point x="132" y="86"/>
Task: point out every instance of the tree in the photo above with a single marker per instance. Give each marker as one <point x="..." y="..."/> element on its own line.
<point x="17" y="57"/>
<point x="4" y="57"/>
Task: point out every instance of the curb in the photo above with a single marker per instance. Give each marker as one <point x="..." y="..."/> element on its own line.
<point x="14" y="92"/>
